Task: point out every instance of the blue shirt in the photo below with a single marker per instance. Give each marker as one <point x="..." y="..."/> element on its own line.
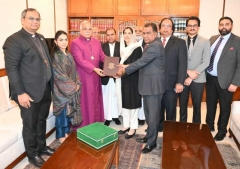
<point x="219" y="52"/>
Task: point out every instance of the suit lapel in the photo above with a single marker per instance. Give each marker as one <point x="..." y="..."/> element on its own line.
<point x="107" y="49"/>
<point x="213" y="39"/>
<point x="116" y="49"/>
<point x="28" y="38"/>
<point x="170" y="42"/>
<point x="227" y="46"/>
<point x="195" y="45"/>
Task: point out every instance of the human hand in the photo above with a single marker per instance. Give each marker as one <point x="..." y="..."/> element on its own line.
<point x="232" y="88"/>
<point x="193" y="74"/>
<point x="77" y="87"/>
<point x="24" y="100"/>
<point x="178" y="88"/>
<point x="188" y="81"/>
<point x="98" y="71"/>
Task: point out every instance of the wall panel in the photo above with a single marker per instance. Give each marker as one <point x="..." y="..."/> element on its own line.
<point x="61" y="15"/>
<point x="232" y="10"/>
<point x="10" y="17"/>
<point x="46" y="10"/>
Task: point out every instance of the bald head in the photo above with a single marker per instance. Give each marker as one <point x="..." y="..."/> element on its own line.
<point x="96" y="33"/>
<point x="86" y="29"/>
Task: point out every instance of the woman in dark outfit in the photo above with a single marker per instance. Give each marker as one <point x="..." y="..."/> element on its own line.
<point x="130" y="51"/>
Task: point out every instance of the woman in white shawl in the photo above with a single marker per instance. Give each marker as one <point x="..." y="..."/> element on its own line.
<point x="129" y="100"/>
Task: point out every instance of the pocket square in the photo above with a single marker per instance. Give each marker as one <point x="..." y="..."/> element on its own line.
<point x="231" y="48"/>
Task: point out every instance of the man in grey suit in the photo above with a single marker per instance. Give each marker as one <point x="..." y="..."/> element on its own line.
<point x="29" y="70"/>
<point x="223" y="75"/>
<point x="151" y="68"/>
<point x="198" y="60"/>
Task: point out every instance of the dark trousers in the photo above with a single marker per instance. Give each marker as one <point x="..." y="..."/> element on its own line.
<point x="196" y="90"/>
<point x="34" y="124"/>
<point x="214" y="93"/>
<point x="152" y="105"/>
<point x="168" y="103"/>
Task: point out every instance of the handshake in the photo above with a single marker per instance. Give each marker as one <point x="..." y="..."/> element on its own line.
<point x="121" y="70"/>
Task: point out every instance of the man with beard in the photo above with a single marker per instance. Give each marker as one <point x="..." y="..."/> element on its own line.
<point x="198" y="61"/>
<point x="223" y="75"/>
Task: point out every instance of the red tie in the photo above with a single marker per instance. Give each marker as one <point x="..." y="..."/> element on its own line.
<point x="163" y="42"/>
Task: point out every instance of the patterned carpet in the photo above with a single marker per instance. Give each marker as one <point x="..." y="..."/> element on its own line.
<point x="130" y="156"/>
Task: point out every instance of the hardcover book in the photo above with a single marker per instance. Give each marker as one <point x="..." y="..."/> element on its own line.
<point x="110" y="66"/>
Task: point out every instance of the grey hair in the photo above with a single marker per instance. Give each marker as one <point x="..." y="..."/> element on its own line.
<point x="84" y="22"/>
<point x="24" y="12"/>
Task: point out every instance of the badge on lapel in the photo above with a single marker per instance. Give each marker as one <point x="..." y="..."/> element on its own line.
<point x="231" y="48"/>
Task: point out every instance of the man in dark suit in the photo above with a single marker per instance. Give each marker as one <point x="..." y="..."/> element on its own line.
<point x="151" y="68"/>
<point x="176" y="68"/>
<point x="29" y="70"/>
<point x="110" y="48"/>
<point x="223" y="75"/>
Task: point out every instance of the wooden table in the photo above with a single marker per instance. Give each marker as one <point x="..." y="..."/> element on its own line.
<point x="75" y="154"/>
<point x="189" y="145"/>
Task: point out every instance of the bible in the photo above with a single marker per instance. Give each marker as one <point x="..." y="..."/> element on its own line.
<point x="110" y="66"/>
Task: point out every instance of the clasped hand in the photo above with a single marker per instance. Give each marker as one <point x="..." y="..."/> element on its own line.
<point x="121" y="70"/>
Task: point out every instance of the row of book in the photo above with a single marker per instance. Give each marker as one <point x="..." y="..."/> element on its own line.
<point x="180" y="24"/>
<point x="75" y="24"/>
<point x="124" y="24"/>
<point x="102" y="24"/>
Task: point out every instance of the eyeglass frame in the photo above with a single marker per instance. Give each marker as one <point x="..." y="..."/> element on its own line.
<point x="192" y="26"/>
<point x="32" y="19"/>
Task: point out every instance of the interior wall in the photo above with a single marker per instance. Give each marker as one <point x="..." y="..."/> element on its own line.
<point x="10" y="17"/>
<point x="209" y="13"/>
<point x="46" y="10"/>
<point x="232" y="10"/>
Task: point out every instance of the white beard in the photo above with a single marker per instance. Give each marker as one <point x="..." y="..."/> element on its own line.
<point x="138" y="38"/>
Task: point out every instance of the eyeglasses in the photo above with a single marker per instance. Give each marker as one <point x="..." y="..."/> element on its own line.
<point x="85" y="29"/>
<point x="166" y="26"/>
<point x="32" y="19"/>
<point x="192" y="26"/>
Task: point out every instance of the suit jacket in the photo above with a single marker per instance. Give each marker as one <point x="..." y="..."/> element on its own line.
<point x="176" y="62"/>
<point x="116" y="53"/>
<point x="24" y="65"/>
<point x="200" y="57"/>
<point x="228" y="67"/>
<point x="152" y="69"/>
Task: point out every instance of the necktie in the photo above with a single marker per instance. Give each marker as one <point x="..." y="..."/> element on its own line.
<point x="210" y="67"/>
<point x="163" y="42"/>
<point x="190" y="47"/>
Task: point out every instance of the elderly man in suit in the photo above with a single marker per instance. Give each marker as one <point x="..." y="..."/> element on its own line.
<point x="110" y="48"/>
<point x="29" y="70"/>
<point x="223" y="75"/>
<point x="151" y="68"/>
<point x="198" y="60"/>
<point x="176" y="67"/>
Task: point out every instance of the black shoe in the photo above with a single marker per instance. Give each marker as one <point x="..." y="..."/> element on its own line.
<point x="107" y="122"/>
<point x="37" y="161"/>
<point x="141" y="122"/>
<point x="130" y="136"/>
<point x="142" y="140"/>
<point x="47" y="152"/>
<point x="160" y="129"/>
<point x="117" y="121"/>
<point x="123" y="131"/>
<point x="148" y="148"/>
<point x="219" y="136"/>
